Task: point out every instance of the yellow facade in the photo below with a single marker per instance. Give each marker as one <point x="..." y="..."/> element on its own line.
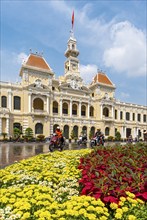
<point x="41" y="102"/>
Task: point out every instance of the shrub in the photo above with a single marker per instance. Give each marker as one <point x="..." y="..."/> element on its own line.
<point x="110" y="138"/>
<point x="40" y="137"/>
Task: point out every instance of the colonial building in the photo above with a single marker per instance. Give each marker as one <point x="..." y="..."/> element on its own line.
<point x="42" y="102"/>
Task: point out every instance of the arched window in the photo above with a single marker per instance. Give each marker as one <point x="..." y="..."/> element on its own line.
<point x="55" y="107"/>
<point x="75" y="130"/>
<point x="17" y="102"/>
<point x="115" y="114"/>
<point x="65" y="108"/>
<point x="74" y="109"/>
<point x="91" y="111"/>
<point x="83" y="110"/>
<point x="66" y="131"/>
<point x="4" y="101"/>
<point x="17" y="125"/>
<point x="73" y="46"/>
<point x="55" y="127"/>
<point x="107" y="131"/>
<point x="139" y="117"/>
<point x="92" y="131"/>
<point x="128" y="132"/>
<point x="38" y="128"/>
<point x="121" y="115"/>
<point x="38" y="104"/>
<point x="127" y="116"/>
<point x="106" y="112"/>
<point x="84" y="130"/>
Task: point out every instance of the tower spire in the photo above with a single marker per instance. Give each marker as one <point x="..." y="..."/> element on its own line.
<point x="71" y="66"/>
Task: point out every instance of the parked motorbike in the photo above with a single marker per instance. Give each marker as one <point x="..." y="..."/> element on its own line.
<point x="82" y="140"/>
<point x="97" y="141"/>
<point x="55" y="143"/>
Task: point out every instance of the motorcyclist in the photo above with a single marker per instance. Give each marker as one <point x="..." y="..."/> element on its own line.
<point x="98" y="134"/>
<point x="59" y="135"/>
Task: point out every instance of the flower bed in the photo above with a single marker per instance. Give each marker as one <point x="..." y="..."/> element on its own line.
<point x="47" y="187"/>
<point x="107" y="173"/>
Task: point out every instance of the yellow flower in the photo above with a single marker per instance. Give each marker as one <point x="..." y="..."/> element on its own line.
<point x="118" y="215"/>
<point x="131" y="195"/>
<point x="131" y="217"/>
<point x="140" y="201"/>
<point x="92" y="217"/>
<point x="82" y="211"/>
<point x="103" y="218"/>
<point x="25" y="216"/>
<point x="119" y="211"/>
<point x="125" y="209"/>
<point x="99" y="209"/>
<point x="113" y="205"/>
<point x="121" y="203"/>
<point x="12" y="200"/>
<point x="123" y="199"/>
<point x="85" y="204"/>
<point x="19" y="213"/>
<point x="90" y="208"/>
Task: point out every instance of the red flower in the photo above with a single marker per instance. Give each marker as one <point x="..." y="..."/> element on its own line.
<point x="110" y="199"/>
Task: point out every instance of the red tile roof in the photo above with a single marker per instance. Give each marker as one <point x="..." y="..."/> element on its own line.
<point x="37" y="61"/>
<point x="102" y="78"/>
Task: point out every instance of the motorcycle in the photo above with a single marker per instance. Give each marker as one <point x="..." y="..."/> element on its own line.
<point x="55" y="143"/>
<point x="82" y="140"/>
<point x="97" y="141"/>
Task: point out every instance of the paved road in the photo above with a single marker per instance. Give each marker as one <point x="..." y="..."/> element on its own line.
<point x="11" y="152"/>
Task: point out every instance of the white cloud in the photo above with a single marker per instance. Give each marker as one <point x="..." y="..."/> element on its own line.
<point x="21" y="57"/>
<point x="88" y="72"/>
<point x="127" y="51"/>
<point x="124" y="95"/>
<point x="10" y="65"/>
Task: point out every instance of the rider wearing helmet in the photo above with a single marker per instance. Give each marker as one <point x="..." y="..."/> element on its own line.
<point x="59" y="134"/>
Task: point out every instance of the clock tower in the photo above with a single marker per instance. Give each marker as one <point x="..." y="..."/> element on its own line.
<point x="71" y="66"/>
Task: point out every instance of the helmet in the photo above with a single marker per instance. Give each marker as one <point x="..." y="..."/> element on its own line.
<point x="58" y="127"/>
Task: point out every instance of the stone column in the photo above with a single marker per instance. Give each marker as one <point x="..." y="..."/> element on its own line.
<point x="118" y="115"/>
<point x="112" y="112"/>
<point x="101" y="111"/>
<point x="10" y="100"/>
<point x="7" y="126"/>
<point x="0" y="125"/>
<point x="60" y="107"/>
<point x="79" y="109"/>
<point x="70" y="108"/>
<point x="47" y="104"/>
<point x="122" y="132"/>
<point x="29" y="103"/>
<point x="88" y="110"/>
<point x="130" y="116"/>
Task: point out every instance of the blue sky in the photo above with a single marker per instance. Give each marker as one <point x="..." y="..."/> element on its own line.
<point x="111" y="36"/>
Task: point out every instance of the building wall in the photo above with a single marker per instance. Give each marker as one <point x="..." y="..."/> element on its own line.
<point x="27" y="116"/>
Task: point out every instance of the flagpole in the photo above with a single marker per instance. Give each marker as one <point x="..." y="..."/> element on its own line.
<point x="72" y="23"/>
<point x="72" y="20"/>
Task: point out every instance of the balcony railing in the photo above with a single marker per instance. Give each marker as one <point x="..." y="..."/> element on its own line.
<point x="39" y="111"/>
<point x="107" y="118"/>
<point x="4" y="110"/>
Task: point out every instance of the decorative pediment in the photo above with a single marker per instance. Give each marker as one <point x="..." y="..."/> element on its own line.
<point x="38" y="86"/>
<point x="73" y="86"/>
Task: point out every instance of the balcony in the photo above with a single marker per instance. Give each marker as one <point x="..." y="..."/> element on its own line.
<point x="108" y="119"/>
<point x="39" y="112"/>
<point x="4" y="110"/>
